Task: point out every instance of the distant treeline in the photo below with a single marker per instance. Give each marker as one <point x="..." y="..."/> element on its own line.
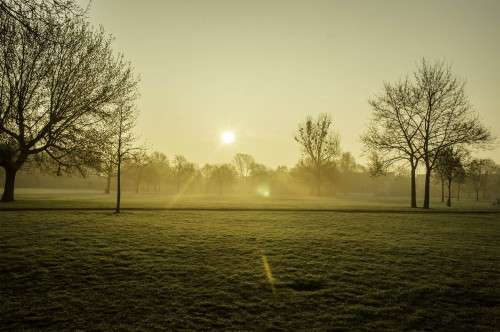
<point x="155" y="173"/>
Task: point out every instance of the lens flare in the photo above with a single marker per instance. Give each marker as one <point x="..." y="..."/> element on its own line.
<point x="264" y="191"/>
<point x="268" y="273"/>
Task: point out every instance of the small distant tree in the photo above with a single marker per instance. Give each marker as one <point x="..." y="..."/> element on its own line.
<point x="319" y="143"/>
<point x="450" y="165"/>
<point x="206" y="174"/>
<point x="478" y="173"/>
<point x="243" y="163"/>
<point x="377" y="166"/>
<point x="183" y="171"/>
<point x="139" y="161"/>
<point x="223" y="175"/>
<point x="347" y="163"/>
<point x="108" y="155"/>
<point x="460" y="177"/>
<point x="301" y="173"/>
<point x="159" y="169"/>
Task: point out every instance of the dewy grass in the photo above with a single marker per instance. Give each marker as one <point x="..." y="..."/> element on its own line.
<point x="204" y="270"/>
<point x="78" y="199"/>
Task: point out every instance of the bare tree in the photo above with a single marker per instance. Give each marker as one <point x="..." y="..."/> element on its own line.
<point x="159" y="169"/>
<point x="139" y="163"/>
<point x="243" y="163"/>
<point x="36" y="15"/>
<point x="108" y="157"/>
<point x="392" y="134"/>
<point x="55" y="94"/>
<point x="449" y="165"/>
<point x="478" y="171"/>
<point x="377" y="166"/>
<point x="460" y="177"/>
<point x="347" y="163"/>
<point x="223" y="175"/>
<point x="446" y="116"/>
<point x="126" y="116"/>
<point x="319" y="143"/>
<point x="183" y="171"/>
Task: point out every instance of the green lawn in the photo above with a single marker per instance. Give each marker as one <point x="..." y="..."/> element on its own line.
<point x="172" y="270"/>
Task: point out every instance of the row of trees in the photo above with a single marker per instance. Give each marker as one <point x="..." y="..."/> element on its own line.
<point x="455" y="166"/>
<point x="423" y="120"/>
<point x="155" y="172"/>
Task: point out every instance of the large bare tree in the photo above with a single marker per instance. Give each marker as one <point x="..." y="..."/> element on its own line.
<point x="320" y="145"/>
<point x="392" y="135"/>
<point x="56" y="93"/>
<point x="446" y="116"/>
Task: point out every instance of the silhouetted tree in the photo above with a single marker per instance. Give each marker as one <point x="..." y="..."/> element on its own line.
<point x="183" y="171"/>
<point x="444" y="115"/>
<point x="55" y="94"/>
<point x="460" y="177"/>
<point x="478" y="173"/>
<point x="223" y="175"/>
<point x="243" y="163"/>
<point x="319" y="144"/>
<point x="377" y="166"/>
<point x="392" y="135"/>
<point x="159" y="170"/>
<point x="449" y="165"/>
<point x="125" y="122"/>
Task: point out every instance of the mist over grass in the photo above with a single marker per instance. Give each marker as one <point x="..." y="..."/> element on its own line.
<point x="176" y="270"/>
<point x="88" y="199"/>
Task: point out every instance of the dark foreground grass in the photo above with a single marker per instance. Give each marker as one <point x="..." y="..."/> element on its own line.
<point x="179" y="270"/>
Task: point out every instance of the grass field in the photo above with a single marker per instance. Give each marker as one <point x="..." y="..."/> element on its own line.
<point x="249" y="270"/>
<point x="78" y="199"/>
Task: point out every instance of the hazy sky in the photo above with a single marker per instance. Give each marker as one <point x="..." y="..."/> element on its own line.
<point x="259" y="67"/>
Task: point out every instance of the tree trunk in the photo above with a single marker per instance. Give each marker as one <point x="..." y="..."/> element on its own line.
<point x="119" y="166"/>
<point x="448" y="202"/>
<point x="427" y="189"/>
<point x="413" y="187"/>
<point x="118" y="185"/>
<point x="10" y="179"/>
<point x="477" y="195"/>
<point x="459" y="186"/>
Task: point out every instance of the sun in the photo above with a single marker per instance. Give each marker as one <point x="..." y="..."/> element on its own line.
<point x="227" y="137"/>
